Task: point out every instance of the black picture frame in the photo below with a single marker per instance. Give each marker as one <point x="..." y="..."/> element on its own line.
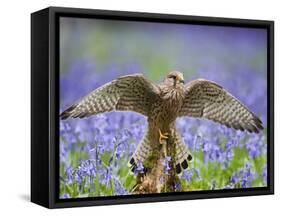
<point x="45" y="111"/>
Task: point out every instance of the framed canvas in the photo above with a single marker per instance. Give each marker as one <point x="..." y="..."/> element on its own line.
<point x="139" y="107"/>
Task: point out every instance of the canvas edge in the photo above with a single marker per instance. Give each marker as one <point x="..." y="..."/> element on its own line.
<point x="39" y="108"/>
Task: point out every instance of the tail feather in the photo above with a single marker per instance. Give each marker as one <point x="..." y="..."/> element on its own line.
<point x="183" y="157"/>
<point x="141" y="154"/>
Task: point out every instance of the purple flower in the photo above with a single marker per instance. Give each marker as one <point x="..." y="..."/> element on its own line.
<point x="65" y="196"/>
<point x="244" y="177"/>
<point x="166" y="164"/>
<point x="187" y="175"/>
<point x="139" y="168"/>
<point x="197" y="172"/>
<point x="264" y="175"/>
<point x="87" y="169"/>
<point x="119" y="189"/>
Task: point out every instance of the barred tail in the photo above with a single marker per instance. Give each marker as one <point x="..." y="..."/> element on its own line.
<point x="183" y="157"/>
<point x="141" y="153"/>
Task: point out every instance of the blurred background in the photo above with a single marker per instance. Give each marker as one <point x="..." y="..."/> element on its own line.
<point x="94" y="151"/>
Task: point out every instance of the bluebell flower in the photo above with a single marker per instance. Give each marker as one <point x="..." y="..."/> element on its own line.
<point x="244" y="177"/>
<point x="264" y="175"/>
<point x="119" y="189"/>
<point x="187" y="175"/>
<point x="65" y="196"/>
<point x="197" y="172"/>
<point x="139" y="168"/>
<point x="165" y="164"/>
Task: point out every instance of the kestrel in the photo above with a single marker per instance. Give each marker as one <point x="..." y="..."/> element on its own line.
<point x="162" y="104"/>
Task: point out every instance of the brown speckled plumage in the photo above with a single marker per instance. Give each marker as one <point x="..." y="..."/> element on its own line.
<point x="162" y="104"/>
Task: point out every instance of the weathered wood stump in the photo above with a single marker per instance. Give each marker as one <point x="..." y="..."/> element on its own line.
<point x="155" y="179"/>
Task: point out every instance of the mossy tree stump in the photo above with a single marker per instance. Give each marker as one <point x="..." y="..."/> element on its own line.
<point x="155" y="179"/>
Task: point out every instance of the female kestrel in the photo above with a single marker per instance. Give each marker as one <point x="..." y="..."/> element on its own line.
<point x="162" y="104"/>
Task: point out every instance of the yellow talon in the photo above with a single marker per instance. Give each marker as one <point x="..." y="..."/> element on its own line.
<point x="162" y="136"/>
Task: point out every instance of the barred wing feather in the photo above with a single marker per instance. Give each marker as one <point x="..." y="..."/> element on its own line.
<point x="206" y="99"/>
<point x="127" y="93"/>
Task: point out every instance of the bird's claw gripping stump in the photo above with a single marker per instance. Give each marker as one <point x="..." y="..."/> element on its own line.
<point x="163" y="141"/>
<point x="163" y="137"/>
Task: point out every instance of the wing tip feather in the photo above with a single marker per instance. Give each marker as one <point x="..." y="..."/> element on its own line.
<point x="255" y="126"/>
<point x="68" y="112"/>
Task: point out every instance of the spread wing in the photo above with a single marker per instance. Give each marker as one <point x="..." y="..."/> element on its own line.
<point x="132" y="93"/>
<point x="206" y="99"/>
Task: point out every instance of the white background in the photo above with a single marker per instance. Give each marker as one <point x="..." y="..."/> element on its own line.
<point x="15" y="107"/>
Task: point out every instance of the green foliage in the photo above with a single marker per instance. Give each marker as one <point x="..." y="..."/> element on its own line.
<point x="212" y="174"/>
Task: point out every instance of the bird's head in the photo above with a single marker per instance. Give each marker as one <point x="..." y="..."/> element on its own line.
<point x="174" y="79"/>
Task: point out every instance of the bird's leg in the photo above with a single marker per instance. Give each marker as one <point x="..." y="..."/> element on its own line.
<point x="162" y="137"/>
<point x="163" y="141"/>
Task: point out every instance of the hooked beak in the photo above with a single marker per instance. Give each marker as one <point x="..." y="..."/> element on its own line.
<point x="179" y="78"/>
